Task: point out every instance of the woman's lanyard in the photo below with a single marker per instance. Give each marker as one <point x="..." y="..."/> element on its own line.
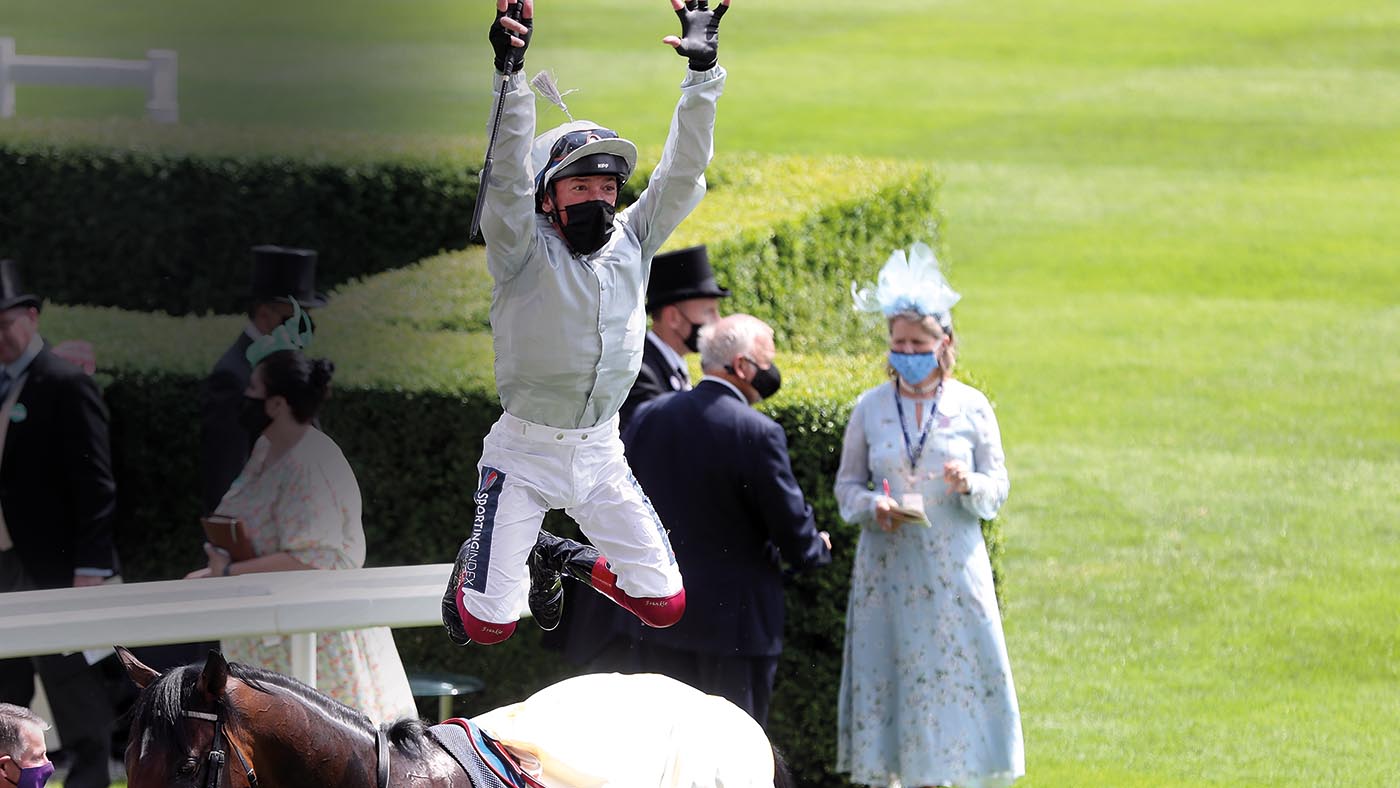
<point x="915" y="452"/>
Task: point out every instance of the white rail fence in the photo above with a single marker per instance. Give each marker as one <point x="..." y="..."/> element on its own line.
<point x="298" y="604"/>
<point x="157" y="74"/>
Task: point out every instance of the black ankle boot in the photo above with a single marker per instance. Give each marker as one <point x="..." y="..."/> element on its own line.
<point x="546" y="596"/>
<point x="451" y="619"/>
<point x="565" y="556"/>
<point x="550" y="559"/>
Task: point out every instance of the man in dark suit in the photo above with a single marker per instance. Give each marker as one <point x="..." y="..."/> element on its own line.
<point x="682" y="297"/>
<point x="718" y="473"/>
<point x="57" y="501"/>
<point x="278" y="272"/>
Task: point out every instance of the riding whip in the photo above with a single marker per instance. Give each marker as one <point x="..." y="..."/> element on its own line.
<point x="514" y="11"/>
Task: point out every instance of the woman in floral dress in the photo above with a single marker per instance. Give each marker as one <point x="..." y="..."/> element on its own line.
<point x="301" y="504"/>
<point x="926" y="695"/>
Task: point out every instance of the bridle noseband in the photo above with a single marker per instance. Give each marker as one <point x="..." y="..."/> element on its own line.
<point x="216" y="758"/>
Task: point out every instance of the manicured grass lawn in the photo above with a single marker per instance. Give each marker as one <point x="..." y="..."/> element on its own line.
<point x="1173" y="224"/>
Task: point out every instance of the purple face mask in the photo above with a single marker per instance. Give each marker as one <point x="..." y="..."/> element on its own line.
<point x="34" y="776"/>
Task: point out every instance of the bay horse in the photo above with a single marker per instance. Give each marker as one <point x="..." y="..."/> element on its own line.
<point x="226" y="725"/>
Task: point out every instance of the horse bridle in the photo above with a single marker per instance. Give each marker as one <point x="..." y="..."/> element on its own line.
<point x="217" y="758"/>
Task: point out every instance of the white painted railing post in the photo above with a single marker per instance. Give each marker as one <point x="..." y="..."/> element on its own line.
<point x="304" y="657"/>
<point x="162" y="97"/>
<point x="7" y="88"/>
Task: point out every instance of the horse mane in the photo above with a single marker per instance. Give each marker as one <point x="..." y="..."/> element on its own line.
<point x="160" y="710"/>
<point x="409" y="736"/>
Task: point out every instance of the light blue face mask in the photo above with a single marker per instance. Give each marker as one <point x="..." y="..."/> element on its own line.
<point x="914" y="368"/>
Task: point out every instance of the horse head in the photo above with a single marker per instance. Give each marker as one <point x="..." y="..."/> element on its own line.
<point x="225" y="725"/>
<point x="187" y="728"/>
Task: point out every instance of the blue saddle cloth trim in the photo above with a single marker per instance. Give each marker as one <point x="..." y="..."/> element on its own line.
<point x="479" y="755"/>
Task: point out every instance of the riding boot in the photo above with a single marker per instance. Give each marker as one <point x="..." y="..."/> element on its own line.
<point x="553" y="556"/>
<point x="451" y="619"/>
<point x="463" y="627"/>
<point x="549" y="560"/>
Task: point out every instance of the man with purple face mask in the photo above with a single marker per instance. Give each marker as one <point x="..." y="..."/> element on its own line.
<point x="24" y="760"/>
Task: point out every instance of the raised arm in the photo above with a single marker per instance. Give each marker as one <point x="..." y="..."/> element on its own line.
<point x="508" y="215"/>
<point x="678" y="182"/>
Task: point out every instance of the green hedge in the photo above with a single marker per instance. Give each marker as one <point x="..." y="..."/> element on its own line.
<point x="163" y="223"/>
<point x="789" y="234"/>
<point x="152" y="231"/>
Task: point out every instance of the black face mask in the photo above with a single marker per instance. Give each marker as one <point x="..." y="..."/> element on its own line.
<point x="590" y="225"/>
<point x="252" y="415"/>
<point x="692" y="340"/>
<point x="765" y="381"/>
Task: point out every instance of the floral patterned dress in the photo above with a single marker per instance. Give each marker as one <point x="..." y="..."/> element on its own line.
<point x="307" y="504"/>
<point x="926" y="694"/>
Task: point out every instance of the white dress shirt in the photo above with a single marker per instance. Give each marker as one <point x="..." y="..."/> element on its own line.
<point x="679" y="372"/>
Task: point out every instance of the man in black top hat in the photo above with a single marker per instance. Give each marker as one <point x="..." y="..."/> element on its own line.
<point x="279" y="273"/>
<point x="682" y="296"/>
<point x="57" y="501"/>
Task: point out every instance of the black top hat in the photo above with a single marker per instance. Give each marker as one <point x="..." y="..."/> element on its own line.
<point x="281" y="271"/>
<point x="12" y="289"/>
<point x="684" y="273"/>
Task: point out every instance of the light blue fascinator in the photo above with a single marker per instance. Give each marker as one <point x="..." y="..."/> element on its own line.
<point x="295" y="334"/>
<point x="909" y="283"/>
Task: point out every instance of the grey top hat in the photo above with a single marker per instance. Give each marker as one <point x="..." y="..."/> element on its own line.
<point x="12" y="291"/>
<point x="684" y="273"/>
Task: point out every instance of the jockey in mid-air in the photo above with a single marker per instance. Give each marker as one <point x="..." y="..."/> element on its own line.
<point x="568" y="326"/>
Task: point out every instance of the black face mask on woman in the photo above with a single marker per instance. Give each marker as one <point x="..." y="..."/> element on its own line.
<point x="252" y="415"/>
<point x="590" y="225"/>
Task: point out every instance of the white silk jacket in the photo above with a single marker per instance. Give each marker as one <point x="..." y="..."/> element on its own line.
<point x="568" y="330"/>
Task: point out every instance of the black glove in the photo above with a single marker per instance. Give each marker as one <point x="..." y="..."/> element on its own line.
<point x="700" y="33"/>
<point x="510" y="59"/>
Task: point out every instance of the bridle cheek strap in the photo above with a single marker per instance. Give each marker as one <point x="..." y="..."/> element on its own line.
<point x="382" y="745"/>
<point x="217" y="758"/>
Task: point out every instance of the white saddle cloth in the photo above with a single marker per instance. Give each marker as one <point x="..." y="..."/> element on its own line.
<point x="609" y="730"/>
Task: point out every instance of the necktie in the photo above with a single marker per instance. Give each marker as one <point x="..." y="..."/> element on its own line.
<point x="5" y="381"/>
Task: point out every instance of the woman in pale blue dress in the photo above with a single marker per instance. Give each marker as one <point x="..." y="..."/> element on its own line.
<point x="926" y="693"/>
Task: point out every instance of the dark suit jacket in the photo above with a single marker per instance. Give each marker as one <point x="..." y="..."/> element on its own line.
<point x="719" y="475"/>
<point x="224" y="444"/>
<point x="653" y="379"/>
<point x="56" y="483"/>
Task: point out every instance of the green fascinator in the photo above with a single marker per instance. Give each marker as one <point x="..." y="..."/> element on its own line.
<point x="295" y="334"/>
